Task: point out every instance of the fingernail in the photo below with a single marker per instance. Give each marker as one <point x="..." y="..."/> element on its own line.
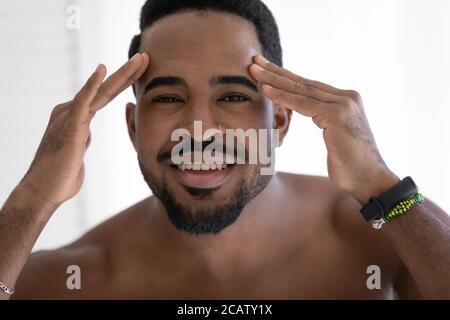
<point x="97" y="69"/>
<point x="135" y="56"/>
<point x="263" y="58"/>
<point x="257" y="68"/>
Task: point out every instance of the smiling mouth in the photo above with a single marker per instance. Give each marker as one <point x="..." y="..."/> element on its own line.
<point x="203" y="176"/>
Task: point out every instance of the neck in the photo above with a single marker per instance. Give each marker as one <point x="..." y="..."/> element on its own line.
<point x="237" y="243"/>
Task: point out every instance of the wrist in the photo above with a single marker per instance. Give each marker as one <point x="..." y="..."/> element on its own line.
<point x="27" y="198"/>
<point x="381" y="181"/>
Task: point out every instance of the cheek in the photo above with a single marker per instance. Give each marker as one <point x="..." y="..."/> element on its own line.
<point x="151" y="135"/>
<point x="259" y="116"/>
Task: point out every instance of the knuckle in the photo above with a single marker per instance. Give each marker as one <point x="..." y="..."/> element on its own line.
<point x="302" y="83"/>
<point x="56" y="111"/>
<point x="298" y="87"/>
<point x="59" y="108"/>
<point x="354" y="95"/>
<point x="347" y="104"/>
<point x="301" y="99"/>
<point x="77" y="98"/>
<point x="343" y="112"/>
<point x="277" y="69"/>
<point x="309" y="90"/>
<point x="320" y="121"/>
<point x="283" y="94"/>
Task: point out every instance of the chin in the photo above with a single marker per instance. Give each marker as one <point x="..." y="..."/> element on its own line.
<point x="204" y="200"/>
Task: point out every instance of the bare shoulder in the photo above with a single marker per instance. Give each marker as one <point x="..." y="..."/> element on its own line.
<point x="317" y="191"/>
<point x="46" y="274"/>
<point x="303" y="180"/>
<point x="341" y="212"/>
<point x="367" y="245"/>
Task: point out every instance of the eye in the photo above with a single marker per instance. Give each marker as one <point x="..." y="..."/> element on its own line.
<point x="235" y="98"/>
<point x="166" y="99"/>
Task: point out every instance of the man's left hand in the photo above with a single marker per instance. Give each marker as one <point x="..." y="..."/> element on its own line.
<point x="354" y="162"/>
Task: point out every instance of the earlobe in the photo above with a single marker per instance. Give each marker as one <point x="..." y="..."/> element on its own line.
<point x="131" y="122"/>
<point x="282" y="120"/>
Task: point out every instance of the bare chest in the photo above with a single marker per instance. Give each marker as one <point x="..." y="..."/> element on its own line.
<point x="320" y="271"/>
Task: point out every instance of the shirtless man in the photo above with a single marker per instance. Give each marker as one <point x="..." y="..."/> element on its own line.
<point x="221" y="234"/>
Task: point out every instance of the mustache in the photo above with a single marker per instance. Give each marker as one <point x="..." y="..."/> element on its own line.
<point x="194" y="145"/>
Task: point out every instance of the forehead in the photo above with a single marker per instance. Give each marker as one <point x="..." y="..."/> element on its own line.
<point x="200" y="43"/>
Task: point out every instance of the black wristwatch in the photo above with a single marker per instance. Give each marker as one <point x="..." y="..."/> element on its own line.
<point x="377" y="207"/>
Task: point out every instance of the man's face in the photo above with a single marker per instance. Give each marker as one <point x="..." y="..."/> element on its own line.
<point x="198" y="72"/>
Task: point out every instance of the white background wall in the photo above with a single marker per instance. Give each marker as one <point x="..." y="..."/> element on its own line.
<point x="395" y="53"/>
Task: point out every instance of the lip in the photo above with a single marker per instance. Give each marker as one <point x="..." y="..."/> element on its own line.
<point x="203" y="179"/>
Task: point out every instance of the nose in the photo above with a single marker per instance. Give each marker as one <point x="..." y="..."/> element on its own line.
<point x="201" y="116"/>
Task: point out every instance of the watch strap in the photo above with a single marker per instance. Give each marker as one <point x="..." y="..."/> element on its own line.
<point x="387" y="200"/>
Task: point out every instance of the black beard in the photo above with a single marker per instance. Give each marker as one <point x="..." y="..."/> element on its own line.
<point x="209" y="219"/>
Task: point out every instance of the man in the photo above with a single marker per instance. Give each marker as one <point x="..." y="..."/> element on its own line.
<point x="217" y="231"/>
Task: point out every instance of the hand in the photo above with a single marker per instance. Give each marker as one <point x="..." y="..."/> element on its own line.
<point x="354" y="162"/>
<point x="57" y="171"/>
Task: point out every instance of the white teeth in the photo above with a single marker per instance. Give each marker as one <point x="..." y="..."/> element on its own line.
<point x="202" y="167"/>
<point x="185" y="167"/>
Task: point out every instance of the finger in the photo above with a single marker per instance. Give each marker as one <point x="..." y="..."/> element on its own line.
<point x="139" y="73"/>
<point x="268" y="77"/>
<point x="79" y="108"/>
<point x="120" y="80"/>
<point x="304" y="105"/>
<point x="263" y="62"/>
<point x="117" y="82"/>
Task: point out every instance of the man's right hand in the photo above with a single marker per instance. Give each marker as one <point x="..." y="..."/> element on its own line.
<point x="57" y="171"/>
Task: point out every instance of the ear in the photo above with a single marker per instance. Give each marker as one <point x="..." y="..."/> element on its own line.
<point x="131" y="122"/>
<point x="282" y="120"/>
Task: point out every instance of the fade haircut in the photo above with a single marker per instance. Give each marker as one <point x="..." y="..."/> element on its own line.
<point x="254" y="11"/>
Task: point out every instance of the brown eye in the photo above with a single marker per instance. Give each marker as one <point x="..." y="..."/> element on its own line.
<point x="166" y="99"/>
<point x="235" y="99"/>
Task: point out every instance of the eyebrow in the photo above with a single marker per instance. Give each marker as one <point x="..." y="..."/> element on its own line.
<point x="240" y="80"/>
<point x="165" y="81"/>
<point x="220" y="80"/>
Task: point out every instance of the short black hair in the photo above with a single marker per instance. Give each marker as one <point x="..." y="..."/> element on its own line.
<point x="254" y="11"/>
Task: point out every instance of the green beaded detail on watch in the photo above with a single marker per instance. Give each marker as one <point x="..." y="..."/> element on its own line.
<point x="403" y="206"/>
<point x="399" y="209"/>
